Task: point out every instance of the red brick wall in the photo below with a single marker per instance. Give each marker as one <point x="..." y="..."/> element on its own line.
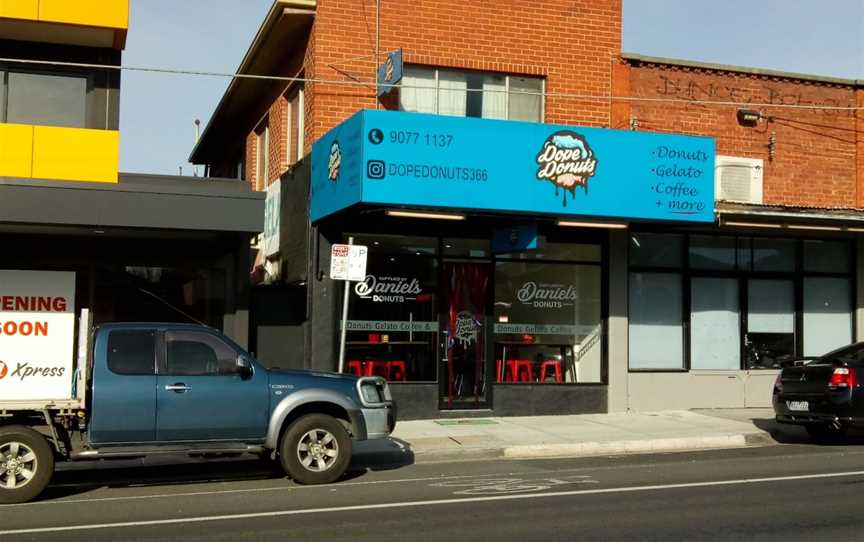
<point x="815" y="158"/>
<point x="860" y="147"/>
<point x="570" y="42"/>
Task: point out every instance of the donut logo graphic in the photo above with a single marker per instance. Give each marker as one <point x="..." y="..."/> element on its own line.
<point x="4" y="370"/>
<point x="334" y="162"/>
<point x="389" y="69"/>
<point x="567" y="161"/>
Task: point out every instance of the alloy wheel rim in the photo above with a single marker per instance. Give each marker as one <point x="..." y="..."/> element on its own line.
<point x="18" y="465"/>
<point x="317" y="450"/>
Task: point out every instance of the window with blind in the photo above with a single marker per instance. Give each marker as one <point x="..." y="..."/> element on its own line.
<point x="471" y="94"/>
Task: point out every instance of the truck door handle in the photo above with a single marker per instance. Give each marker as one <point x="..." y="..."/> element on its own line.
<point x="178" y="388"/>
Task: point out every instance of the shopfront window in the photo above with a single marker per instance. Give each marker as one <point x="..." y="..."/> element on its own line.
<point x="770" y="339"/>
<point x="548" y="322"/>
<point x="393" y="314"/>
<point x="715" y="322"/>
<point x="560" y="252"/>
<point x="160" y="294"/>
<point x="656" y="337"/>
<point x="827" y="314"/>
<point x="753" y="303"/>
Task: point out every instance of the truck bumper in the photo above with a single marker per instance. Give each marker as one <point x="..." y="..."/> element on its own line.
<point x="380" y="422"/>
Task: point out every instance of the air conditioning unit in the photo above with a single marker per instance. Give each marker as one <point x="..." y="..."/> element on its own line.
<point x="739" y="179"/>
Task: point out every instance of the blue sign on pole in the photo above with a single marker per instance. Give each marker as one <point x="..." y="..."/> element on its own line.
<point x="390" y="73"/>
<point x="402" y="159"/>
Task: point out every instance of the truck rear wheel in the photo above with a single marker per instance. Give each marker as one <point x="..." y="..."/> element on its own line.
<point x="26" y="464"/>
<point x="316" y="449"/>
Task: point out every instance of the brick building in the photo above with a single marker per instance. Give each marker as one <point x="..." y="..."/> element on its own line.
<point x="604" y="299"/>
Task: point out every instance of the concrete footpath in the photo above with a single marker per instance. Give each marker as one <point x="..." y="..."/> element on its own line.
<point x="590" y="434"/>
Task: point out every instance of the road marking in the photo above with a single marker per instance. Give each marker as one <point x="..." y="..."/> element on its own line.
<point x="504" y="486"/>
<point x="417" y="504"/>
<point x="337" y="485"/>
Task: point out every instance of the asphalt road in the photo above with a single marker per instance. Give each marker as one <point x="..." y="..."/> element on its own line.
<point x="791" y="492"/>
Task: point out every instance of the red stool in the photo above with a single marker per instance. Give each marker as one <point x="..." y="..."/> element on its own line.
<point x="377" y="368"/>
<point x="509" y="371"/>
<point x="554" y="365"/>
<point x="396" y="371"/>
<point x="356" y="367"/>
<point x="523" y="370"/>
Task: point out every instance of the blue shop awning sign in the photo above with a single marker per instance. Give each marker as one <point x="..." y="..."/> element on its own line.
<point x="402" y="159"/>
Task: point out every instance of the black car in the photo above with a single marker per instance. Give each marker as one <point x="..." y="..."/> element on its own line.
<point x="823" y="394"/>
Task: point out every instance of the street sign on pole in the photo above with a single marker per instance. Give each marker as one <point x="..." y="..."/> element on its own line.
<point x="348" y="262"/>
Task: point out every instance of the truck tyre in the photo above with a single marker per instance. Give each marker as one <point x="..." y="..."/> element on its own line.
<point x="827" y="434"/>
<point x="316" y="449"/>
<point x="26" y="464"/>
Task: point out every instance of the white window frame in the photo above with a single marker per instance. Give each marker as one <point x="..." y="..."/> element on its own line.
<point x="288" y="138"/>
<point x="301" y="122"/>
<point x="262" y="156"/>
<point x="292" y="141"/>
<point x="507" y="77"/>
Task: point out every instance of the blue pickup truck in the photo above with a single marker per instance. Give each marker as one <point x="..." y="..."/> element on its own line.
<point x="149" y="389"/>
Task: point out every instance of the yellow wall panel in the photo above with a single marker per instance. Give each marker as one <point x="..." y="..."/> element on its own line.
<point x="19" y="9"/>
<point x="16" y="150"/>
<point x="76" y="154"/>
<point x="102" y="13"/>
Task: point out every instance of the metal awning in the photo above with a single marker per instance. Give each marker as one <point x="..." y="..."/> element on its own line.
<point x="152" y="202"/>
<point x="784" y="216"/>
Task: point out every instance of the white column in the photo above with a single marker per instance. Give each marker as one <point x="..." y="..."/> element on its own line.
<point x="618" y="393"/>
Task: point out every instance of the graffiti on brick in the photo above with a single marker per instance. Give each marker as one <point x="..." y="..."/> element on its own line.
<point x="691" y="89"/>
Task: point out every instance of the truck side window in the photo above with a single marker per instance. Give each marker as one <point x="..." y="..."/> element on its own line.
<point x="132" y="352"/>
<point x="193" y="353"/>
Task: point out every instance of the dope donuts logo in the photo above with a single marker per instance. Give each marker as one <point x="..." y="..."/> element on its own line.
<point x="334" y="162"/>
<point x="466" y="329"/>
<point x="389" y="69"/>
<point x="566" y="161"/>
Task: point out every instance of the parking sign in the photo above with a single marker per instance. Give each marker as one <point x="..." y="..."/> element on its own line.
<point x="348" y="262"/>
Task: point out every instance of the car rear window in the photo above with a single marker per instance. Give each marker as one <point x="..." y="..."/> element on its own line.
<point x="132" y="352"/>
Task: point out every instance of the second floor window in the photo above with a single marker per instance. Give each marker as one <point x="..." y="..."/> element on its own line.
<point x="294" y="126"/>
<point x="47" y="99"/>
<point x="262" y="154"/>
<point x="472" y="94"/>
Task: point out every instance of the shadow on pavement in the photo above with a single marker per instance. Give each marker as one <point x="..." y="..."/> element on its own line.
<point x="82" y="477"/>
<point x="784" y="433"/>
<point x="382" y="454"/>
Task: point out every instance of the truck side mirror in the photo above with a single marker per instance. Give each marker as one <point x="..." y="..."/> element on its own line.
<point x="244" y="367"/>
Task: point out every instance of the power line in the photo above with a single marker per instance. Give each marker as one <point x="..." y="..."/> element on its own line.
<point x="372" y="85"/>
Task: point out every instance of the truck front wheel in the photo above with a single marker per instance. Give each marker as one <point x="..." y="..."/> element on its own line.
<point x="26" y="464"/>
<point x="316" y="449"/>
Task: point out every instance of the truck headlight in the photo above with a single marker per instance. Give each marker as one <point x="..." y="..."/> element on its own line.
<point x="370" y="394"/>
<point x="373" y="391"/>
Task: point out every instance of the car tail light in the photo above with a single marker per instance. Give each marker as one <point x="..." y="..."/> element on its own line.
<point x="843" y="378"/>
<point x="778" y="383"/>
